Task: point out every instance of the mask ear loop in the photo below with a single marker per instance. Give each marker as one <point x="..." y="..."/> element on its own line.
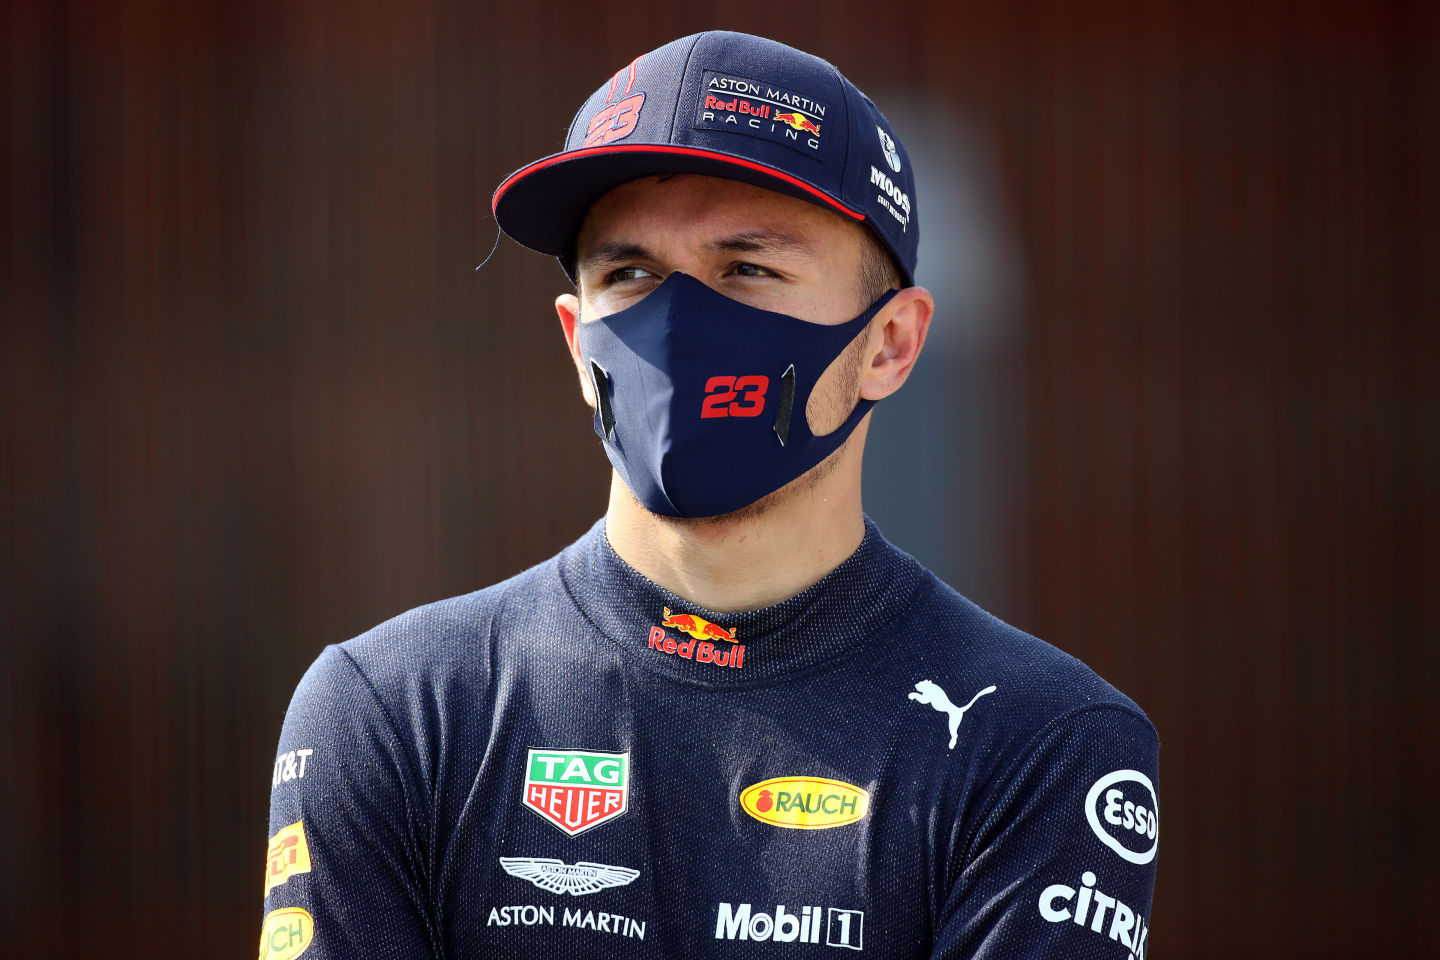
<point x="493" y="247"/>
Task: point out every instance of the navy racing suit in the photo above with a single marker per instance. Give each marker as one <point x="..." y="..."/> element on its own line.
<point x="577" y="763"/>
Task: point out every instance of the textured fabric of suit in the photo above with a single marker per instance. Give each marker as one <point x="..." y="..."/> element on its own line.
<point x="875" y="764"/>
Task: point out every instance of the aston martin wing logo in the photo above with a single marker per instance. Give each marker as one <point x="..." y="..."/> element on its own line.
<point x="557" y="876"/>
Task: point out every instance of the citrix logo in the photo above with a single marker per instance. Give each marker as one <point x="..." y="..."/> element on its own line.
<point x="845" y="928"/>
<point x="1126" y="926"/>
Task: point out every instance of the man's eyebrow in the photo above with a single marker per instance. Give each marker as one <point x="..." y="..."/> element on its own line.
<point x="764" y="241"/>
<point x="604" y="254"/>
<point x="751" y="241"/>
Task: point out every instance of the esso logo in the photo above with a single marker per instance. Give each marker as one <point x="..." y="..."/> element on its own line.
<point x="1125" y="814"/>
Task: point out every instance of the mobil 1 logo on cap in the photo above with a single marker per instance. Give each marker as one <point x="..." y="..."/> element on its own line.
<point x="1125" y="814"/>
<point x="576" y="790"/>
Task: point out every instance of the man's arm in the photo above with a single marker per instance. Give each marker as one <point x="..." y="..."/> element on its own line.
<point x="1063" y="862"/>
<point x="345" y="873"/>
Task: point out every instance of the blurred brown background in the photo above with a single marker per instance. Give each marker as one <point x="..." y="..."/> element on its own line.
<point x="1173" y="417"/>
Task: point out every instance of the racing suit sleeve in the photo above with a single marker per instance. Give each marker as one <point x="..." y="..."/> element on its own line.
<point x="1062" y="864"/>
<point x="344" y="873"/>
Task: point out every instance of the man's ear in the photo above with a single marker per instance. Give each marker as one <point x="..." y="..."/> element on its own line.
<point x="567" y="308"/>
<point x="896" y="341"/>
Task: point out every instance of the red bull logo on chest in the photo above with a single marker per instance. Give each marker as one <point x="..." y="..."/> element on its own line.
<point x="702" y="646"/>
<point x="577" y="790"/>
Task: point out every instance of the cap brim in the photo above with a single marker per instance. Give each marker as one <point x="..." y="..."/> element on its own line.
<point x="542" y="204"/>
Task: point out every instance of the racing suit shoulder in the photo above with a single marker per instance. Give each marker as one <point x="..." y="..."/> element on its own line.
<point x="1055" y="840"/>
<point x="1045" y="682"/>
<point x="430" y="641"/>
<point x="354" y="851"/>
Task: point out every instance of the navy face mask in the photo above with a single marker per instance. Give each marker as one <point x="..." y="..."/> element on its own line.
<point x="701" y="399"/>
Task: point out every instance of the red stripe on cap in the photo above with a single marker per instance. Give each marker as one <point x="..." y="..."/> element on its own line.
<point x="520" y="174"/>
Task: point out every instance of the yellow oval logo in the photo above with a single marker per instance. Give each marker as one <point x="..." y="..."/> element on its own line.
<point x="286" y="934"/>
<point x="805" y="803"/>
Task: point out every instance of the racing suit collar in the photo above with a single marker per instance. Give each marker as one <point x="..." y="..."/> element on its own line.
<point x="830" y="621"/>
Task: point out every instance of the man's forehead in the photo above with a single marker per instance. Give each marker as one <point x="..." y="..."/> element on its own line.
<point x="709" y="212"/>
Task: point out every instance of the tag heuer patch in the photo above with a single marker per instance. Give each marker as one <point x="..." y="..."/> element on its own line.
<point x="577" y="789"/>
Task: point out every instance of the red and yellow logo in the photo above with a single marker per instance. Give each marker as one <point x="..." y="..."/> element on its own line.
<point x="798" y="121"/>
<point x="805" y="803"/>
<point x="288" y="855"/>
<point x="699" y="647"/>
<point x="286" y="934"/>
<point x="698" y="627"/>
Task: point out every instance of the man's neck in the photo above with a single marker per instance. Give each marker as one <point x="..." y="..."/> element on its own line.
<point x="756" y="559"/>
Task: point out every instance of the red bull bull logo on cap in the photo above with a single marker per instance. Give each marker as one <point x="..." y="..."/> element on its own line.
<point x="798" y="121"/>
<point x="701" y="647"/>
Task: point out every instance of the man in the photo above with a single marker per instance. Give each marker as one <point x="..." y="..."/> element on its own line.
<point x="731" y="720"/>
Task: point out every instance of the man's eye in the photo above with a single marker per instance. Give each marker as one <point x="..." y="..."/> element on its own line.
<point x="625" y="274"/>
<point x="752" y="270"/>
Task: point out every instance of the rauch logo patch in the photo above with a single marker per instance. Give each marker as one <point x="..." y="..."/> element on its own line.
<point x="577" y="790"/>
<point x="286" y="934"/>
<point x="805" y="803"/>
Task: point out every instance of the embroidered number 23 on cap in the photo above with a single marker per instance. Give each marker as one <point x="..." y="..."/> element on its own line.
<point x="616" y="120"/>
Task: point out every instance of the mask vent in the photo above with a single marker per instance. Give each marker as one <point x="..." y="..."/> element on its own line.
<point x="787" y="400"/>
<point x="601" y="379"/>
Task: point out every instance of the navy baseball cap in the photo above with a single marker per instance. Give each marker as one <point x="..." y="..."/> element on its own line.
<point x="726" y="105"/>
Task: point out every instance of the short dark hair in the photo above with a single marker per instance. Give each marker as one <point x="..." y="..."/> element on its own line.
<point x="878" y="272"/>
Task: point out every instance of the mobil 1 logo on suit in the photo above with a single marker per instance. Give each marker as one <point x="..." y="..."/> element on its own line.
<point x="809" y="924"/>
<point x="1125" y="814"/>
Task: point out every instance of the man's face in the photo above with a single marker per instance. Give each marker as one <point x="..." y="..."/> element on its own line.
<point x="759" y="247"/>
<point x="766" y="250"/>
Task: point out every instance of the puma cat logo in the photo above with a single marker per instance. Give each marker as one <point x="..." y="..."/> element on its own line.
<point x="927" y="691"/>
